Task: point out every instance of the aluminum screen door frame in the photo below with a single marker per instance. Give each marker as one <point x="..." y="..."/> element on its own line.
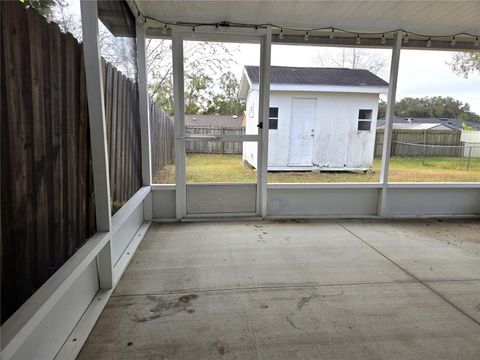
<point x="227" y="34"/>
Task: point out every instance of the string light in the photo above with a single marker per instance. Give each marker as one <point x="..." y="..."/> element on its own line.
<point x="193" y="32"/>
<point x="142" y="18"/>
<point x="331" y="34"/>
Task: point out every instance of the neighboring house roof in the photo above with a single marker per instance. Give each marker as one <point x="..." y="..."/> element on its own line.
<point x="318" y="76"/>
<point x="213" y="120"/>
<point x="421" y="126"/>
<point x="454" y="124"/>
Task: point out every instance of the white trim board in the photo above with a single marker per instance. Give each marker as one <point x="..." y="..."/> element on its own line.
<point x="130" y="250"/>
<point x="77" y="338"/>
<point x="72" y="346"/>
<point x="336" y="200"/>
<point x="326" y="88"/>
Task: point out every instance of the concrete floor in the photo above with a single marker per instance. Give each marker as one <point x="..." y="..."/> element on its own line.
<point x="297" y="290"/>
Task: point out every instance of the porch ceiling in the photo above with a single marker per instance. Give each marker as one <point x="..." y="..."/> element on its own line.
<point x="430" y="17"/>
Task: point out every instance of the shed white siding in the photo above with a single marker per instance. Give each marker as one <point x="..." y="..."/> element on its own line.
<point x="251" y="110"/>
<point x="338" y="144"/>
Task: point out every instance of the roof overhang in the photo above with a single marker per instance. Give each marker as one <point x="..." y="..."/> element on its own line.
<point x="326" y="88"/>
<point x="245" y="85"/>
<point x="437" y="19"/>
<point x="330" y="88"/>
<point x="117" y="17"/>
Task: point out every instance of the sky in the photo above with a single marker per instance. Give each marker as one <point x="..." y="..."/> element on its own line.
<point x="422" y="72"/>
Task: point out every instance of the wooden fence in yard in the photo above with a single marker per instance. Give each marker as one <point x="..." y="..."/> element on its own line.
<point x="47" y="197"/>
<point x="161" y="138"/>
<point x="123" y="135"/>
<point x="403" y="138"/>
<point x="46" y="176"/>
<point x="214" y="147"/>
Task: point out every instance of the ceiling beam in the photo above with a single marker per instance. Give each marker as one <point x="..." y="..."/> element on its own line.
<point x="343" y="41"/>
<point x="347" y="41"/>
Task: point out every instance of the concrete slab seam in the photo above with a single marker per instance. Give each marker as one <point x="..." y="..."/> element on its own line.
<point x="411" y="275"/>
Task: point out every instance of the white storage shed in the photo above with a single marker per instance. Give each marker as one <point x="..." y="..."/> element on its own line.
<point x="320" y="118"/>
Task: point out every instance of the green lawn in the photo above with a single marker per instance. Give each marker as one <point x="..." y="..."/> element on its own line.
<point x="230" y="168"/>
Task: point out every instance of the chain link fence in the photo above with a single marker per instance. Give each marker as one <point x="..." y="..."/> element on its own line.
<point x="464" y="157"/>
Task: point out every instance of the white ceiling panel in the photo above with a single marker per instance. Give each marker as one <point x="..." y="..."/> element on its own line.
<point x="430" y="17"/>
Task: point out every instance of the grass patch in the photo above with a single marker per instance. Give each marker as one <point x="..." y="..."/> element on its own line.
<point x="230" y="168"/>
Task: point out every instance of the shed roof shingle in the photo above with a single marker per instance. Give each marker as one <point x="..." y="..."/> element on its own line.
<point x="318" y="76"/>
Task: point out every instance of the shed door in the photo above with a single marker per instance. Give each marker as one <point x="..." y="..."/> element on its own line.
<point x="302" y="132"/>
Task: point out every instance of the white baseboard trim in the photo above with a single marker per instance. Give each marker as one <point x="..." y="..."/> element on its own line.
<point x="77" y="338"/>
<point x="79" y="335"/>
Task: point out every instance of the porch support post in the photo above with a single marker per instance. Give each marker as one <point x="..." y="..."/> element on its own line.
<point x="179" y="123"/>
<point x="144" y="117"/>
<point x="387" y="136"/>
<point x="143" y="105"/>
<point x="264" y="103"/>
<point x="98" y="135"/>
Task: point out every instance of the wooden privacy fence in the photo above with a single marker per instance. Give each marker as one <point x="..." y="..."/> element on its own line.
<point x="47" y="196"/>
<point x="46" y="176"/>
<point x="403" y="138"/>
<point x="214" y="147"/>
<point x="123" y="135"/>
<point x="161" y="138"/>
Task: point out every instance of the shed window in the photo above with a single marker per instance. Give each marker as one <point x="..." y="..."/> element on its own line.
<point x="273" y="118"/>
<point x="364" y="119"/>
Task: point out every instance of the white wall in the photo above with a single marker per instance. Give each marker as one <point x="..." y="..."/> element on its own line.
<point x="406" y="200"/>
<point x="332" y="202"/>
<point x="229" y="198"/>
<point x="472" y="143"/>
<point x="338" y="143"/>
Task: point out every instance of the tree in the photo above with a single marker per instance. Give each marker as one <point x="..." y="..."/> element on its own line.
<point x="382" y="109"/>
<point x="436" y="106"/>
<point x="42" y="6"/>
<point x="466" y="127"/>
<point x="354" y="58"/>
<point x="66" y="20"/>
<point x="197" y="90"/>
<point x="205" y="64"/>
<point x="465" y="63"/>
<point x="227" y="101"/>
